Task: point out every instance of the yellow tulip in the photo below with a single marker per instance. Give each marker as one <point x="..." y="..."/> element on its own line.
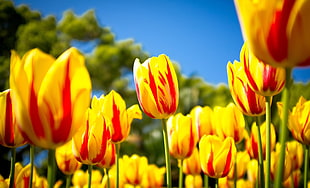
<point x="66" y="160"/>
<point x="295" y="151"/>
<point x="156" y="86"/>
<point x="134" y="168"/>
<point x="203" y="119"/>
<point x="216" y="156"/>
<point x="182" y="136"/>
<point x="249" y="102"/>
<point x="153" y="177"/>
<point x="262" y="78"/>
<point x="252" y="168"/>
<point x="296" y="177"/>
<point x="191" y="165"/>
<point x="274" y="163"/>
<point x="3" y="183"/>
<point x="50" y="96"/>
<point x="112" y="177"/>
<point x="252" y="142"/>
<point x="118" y="118"/>
<point x="229" y="122"/>
<point x="109" y="158"/>
<point x="79" y="178"/>
<point x="193" y="181"/>
<point x="89" y="143"/>
<point x="10" y="135"/>
<point x="242" y="160"/>
<point x="276" y="30"/>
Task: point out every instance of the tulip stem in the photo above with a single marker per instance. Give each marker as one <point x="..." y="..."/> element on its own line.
<point x="306" y="166"/>
<point x="216" y="183"/>
<point x="167" y="155"/>
<point x="117" y="147"/>
<point x="51" y="168"/>
<point x="206" y="181"/>
<point x="268" y="137"/>
<point x="90" y="170"/>
<point x="180" y="173"/>
<point x="108" y="178"/>
<point x="12" y="171"/>
<point x="68" y="181"/>
<point x="260" y="154"/>
<point x="31" y="150"/>
<point x="235" y="174"/>
<point x="283" y="128"/>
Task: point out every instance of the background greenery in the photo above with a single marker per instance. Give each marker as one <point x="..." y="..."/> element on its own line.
<point x="110" y="66"/>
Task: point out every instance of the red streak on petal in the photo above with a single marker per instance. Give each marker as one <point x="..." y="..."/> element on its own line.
<point x="104" y="139"/>
<point x="67" y="166"/>
<point x="248" y="73"/>
<point x="84" y="146"/>
<point x="26" y="180"/>
<point x="254" y="147"/>
<point x="34" y="114"/>
<point x="269" y="79"/>
<point x="253" y="102"/>
<point x="116" y="123"/>
<point x="9" y="126"/>
<point x="154" y="88"/>
<point x="172" y="91"/>
<point x="210" y="168"/>
<point x="228" y="162"/>
<point x="191" y="142"/>
<point x="277" y="40"/>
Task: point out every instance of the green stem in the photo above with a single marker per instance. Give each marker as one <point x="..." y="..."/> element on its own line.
<point x="68" y="181"/>
<point x="108" y="178"/>
<point x="283" y="128"/>
<point x="117" y="147"/>
<point x="235" y="174"/>
<point x="12" y="171"/>
<point x="206" y="181"/>
<point x="180" y="173"/>
<point x="31" y="164"/>
<point x="90" y="170"/>
<point x="260" y="156"/>
<point x="257" y="176"/>
<point x="306" y="166"/>
<point x="268" y="143"/>
<point x="167" y="154"/>
<point x="216" y="183"/>
<point x="51" y="168"/>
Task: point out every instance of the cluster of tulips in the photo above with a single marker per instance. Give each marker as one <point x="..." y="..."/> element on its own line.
<point x="49" y="105"/>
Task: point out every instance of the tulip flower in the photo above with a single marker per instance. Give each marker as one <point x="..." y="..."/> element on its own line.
<point x="191" y="165"/>
<point x="50" y="96"/>
<point x="262" y="78"/>
<point x="252" y="168"/>
<point x="249" y="102"/>
<point x="294" y="180"/>
<point x="3" y="183"/>
<point x="138" y="167"/>
<point x="79" y="178"/>
<point x="153" y="177"/>
<point x="156" y="86"/>
<point x="242" y="160"/>
<point x="118" y="118"/>
<point x="109" y="179"/>
<point x="252" y="142"/>
<point x="229" y="122"/>
<point x="65" y="159"/>
<point x="182" y="136"/>
<point x="10" y="136"/>
<point x="277" y="31"/>
<point x="193" y="181"/>
<point x="274" y="163"/>
<point x="108" y="159"/>
<point x="89" y="143"/>
<point x="203" y="119"/>
<point x="216" y="156"/>
<point x="295" y="151"/>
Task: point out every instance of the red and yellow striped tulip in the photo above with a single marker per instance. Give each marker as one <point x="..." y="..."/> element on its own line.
<point x="156" y="86"/>
<point x="242" y="160"/>
<point x="182" y="136"/>
<point x="293" y="180"/>
<point x="191" y="165"/>
<point x="119" y="118"/>
<point x="110" y="156"/>
<point x="65" y="159"/>
<point x="296" y="152"/>
<point x="50" y="96"/>
<point x="263" y="78"/>
<point x="276" y="30"/>
<point x="229" y="122"/>
<point x="216" y="156"/>
<point x="138" y="167"/>
<point x="252" y="142"/>
<point x="203" y="120"/>
<point x="246" y="99"/>
<point x="89" y="143"/>
<point x="10" y="135"/>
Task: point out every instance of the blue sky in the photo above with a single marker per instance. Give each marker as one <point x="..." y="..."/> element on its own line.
<point x="201" y="35"/>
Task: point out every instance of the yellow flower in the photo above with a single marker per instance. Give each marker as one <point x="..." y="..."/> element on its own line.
<point x="110" y="156"/>
<point x="276" y="30"/>
<point x="182" y="136"/>
<point x="191" y="165"/>
<point x="79" y="178"/>
<point x="153" y="177"/>
<point x="262" y="78"/>
<point x="10" y="135"/>
<point x="252" y="168"/>
<point x="50" y="96"/>
<point x="249" y="102"/>
<point x="274" y="163"/>
<point x="296" y="177"/>
<point x="216" y="156"/>
<point x="252" y="142"/>
<point x="229" y="122"/>
<point x="134" y="168"/>
<point x="66" y="160"/>
<point x="242" y="160"/>
<point x="118" y="118"/>
<point x="193" y="181"/>
<point x="295" y="151"/>
<point x="203" y="119"/>
<point x="156" y="86"/>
